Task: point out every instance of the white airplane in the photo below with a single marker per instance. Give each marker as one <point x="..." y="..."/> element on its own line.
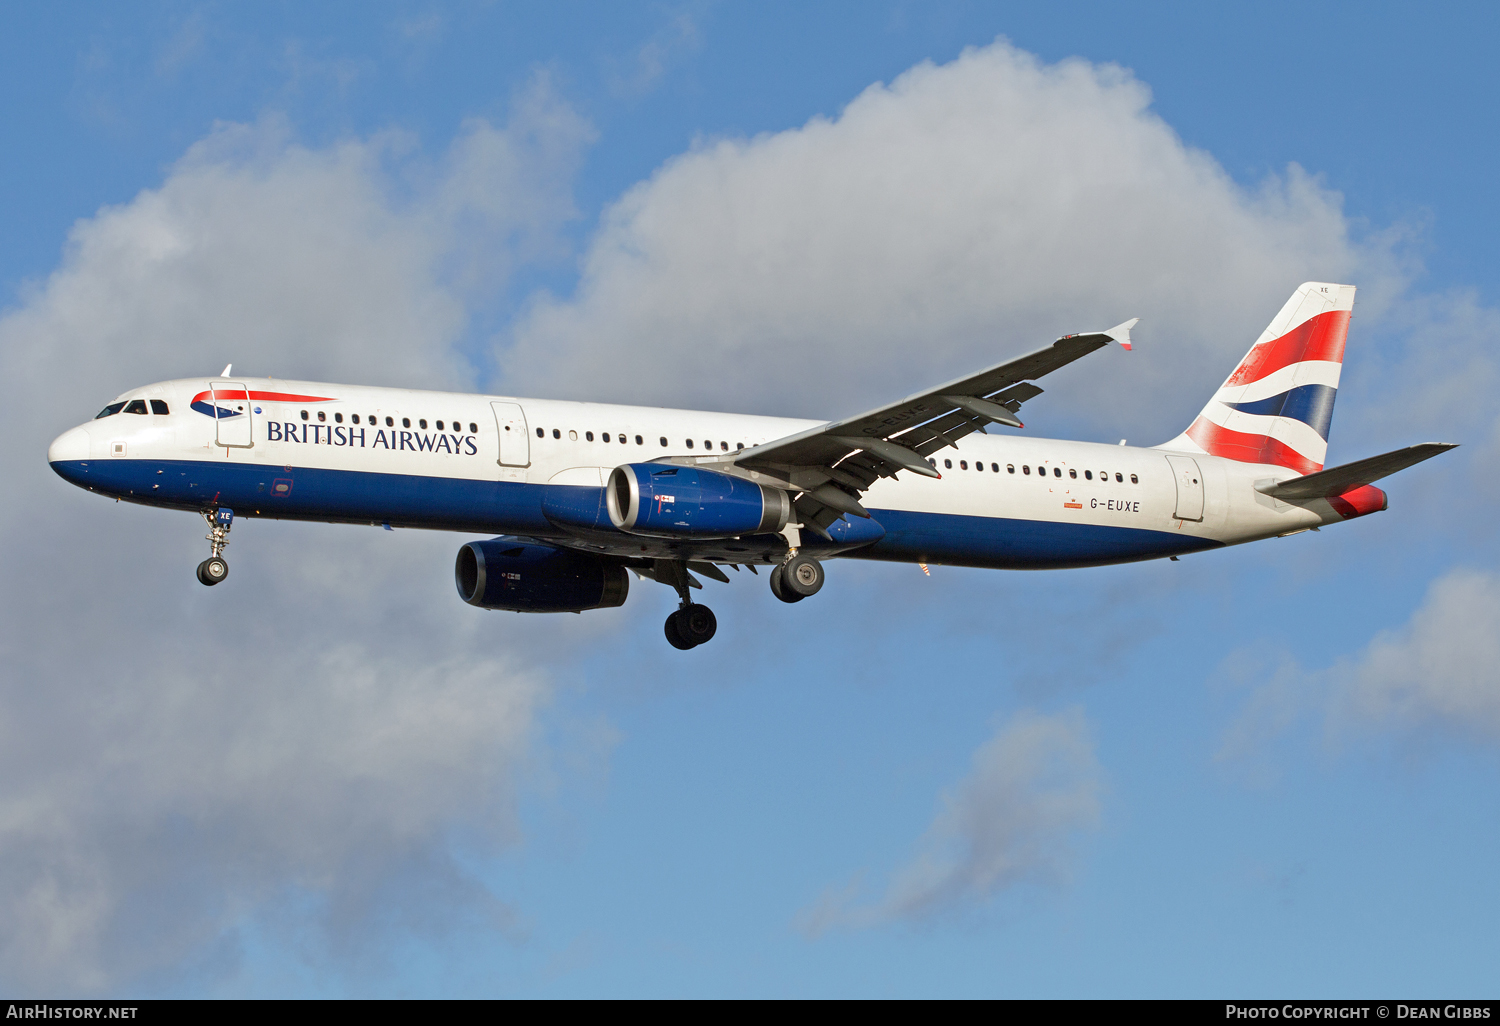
<point x="583" y="494"/>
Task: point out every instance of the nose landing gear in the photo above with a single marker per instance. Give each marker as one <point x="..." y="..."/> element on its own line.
<point x="214" y="569"/>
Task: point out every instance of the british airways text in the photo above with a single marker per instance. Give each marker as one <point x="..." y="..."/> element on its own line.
<point x="337" y="434"/>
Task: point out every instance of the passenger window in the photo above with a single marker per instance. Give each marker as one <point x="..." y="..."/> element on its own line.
<point x="438" y="425"/>
<point x="339" y="418"/>
<point x="354" y="417"/>
<point x="572" y="436"/>
<point x="322" y="416"/>
<point x="588" y="436"/>
<point x="994" y="468"/>
<point x="1057" y="471"/>
<point x="639" y="440"/>
<point x="389" y="422"/>
<point x="406" y="422"/>
<point x="1072" y="473"/>
<point x="421" y="423"/>
<point x="723" y="446"/>
<point x="663" y="441"/>
<point x="159" y="408"/>
<point x="1010" y="468"/>
<point x="1088" y="475"/>
<point x="963" y="464"/>
<point x="1134" y="479"/>
<point x="978" y="465"/>
<point x="110" y="410"/>
<point x="304" y="414"/>
<point x="707" y="444"/>
<point x="948" y="464"/>
<point x="473" y="429"/>
<point x="1025" y="470"/>
<point x="739" y="445"/>
<point x="622" y="439"/>
<point x="689" y="443"/>
<point x="604" y="435"/>
<point x="1119" y="479"/>
<point x="557" y="432"/>
<point x="539" y="432"/>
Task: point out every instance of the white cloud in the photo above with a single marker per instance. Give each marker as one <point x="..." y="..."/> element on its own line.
<point x="1439" y="670"/>
<point x="1032" y="787"/>
<point x="178" y="761"/>
<point x="1437" y="674"/>
<point x="959" y="215"/>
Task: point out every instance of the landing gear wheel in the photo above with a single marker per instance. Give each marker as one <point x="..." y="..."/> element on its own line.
<point x="697" y="624"/>
<point x="674" y="636"/>
<point x="803" y="576"/>
<point x="212" y="570"/>
<point x="779" y="589"/>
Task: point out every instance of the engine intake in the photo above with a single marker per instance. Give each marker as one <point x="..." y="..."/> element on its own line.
<point x="665" y="501"/>
<point x="504" y="573"/>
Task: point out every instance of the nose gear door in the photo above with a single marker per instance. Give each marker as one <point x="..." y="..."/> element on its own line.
<point x="515" y="443"/>
<point x="1189" y="487"/>
<point x="232" y="415"/>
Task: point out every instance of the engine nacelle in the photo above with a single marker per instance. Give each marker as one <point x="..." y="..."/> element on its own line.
<point x="666" y="501"/>
<point x="508" y="574"/>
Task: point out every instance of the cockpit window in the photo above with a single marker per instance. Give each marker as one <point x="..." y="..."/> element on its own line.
<point x="159" y="408"/>
<point x="110" y="410"/>
<point x="137" y="406"/>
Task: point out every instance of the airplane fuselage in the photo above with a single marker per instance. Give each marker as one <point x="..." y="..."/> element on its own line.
<point x="493" y="465"/>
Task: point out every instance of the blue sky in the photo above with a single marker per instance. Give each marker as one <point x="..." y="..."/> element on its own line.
<point x="1265" y="771"/>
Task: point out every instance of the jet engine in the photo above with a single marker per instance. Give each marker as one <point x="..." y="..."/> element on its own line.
<point x="666" y="501"/>
<point x="506" y="573"/>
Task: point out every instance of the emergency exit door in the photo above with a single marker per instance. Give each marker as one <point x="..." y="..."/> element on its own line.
<point x="515" y="442"/>
<point x="1189" y="487"/>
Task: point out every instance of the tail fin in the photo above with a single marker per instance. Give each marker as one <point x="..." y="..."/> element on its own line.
<point x="1276" y="406"/>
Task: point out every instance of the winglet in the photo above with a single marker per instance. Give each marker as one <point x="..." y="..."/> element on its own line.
<point x="1121" y="332"/>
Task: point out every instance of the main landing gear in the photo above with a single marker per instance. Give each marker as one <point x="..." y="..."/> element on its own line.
<point x="214" y="569"/>
<point x="796" y="579"/>
<point x="692" y="624"/>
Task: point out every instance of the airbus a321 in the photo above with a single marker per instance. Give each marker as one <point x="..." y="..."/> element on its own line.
<point x="572" y="498"/>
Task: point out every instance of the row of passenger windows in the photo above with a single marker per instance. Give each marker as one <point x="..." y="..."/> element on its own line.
<point x="1010" y="468"/>
<point x="134" y="406"/>
<point x="604" y="436"/>
<point x="338" y="418"/>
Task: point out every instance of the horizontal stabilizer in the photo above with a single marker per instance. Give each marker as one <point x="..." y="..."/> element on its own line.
<point x="1338" y="480"/>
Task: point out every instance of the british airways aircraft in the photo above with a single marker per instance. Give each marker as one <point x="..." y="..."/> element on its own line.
<point x="573" y="498"/>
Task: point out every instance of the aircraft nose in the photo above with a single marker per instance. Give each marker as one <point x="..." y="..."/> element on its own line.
<point x="69" y="446"/>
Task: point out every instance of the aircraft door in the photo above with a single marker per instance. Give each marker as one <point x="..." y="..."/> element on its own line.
<point x="232" y="413"/>
<point x="515" y="441"/>
<point x="1189" y="487"/>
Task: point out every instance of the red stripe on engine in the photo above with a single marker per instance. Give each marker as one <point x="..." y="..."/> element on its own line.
<point x="1245" y="448"/>
<point x="1357" y="503"/>
<point x="1317" y="338"/>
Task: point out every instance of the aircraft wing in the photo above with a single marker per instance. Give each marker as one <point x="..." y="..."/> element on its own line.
<point x="1338" y="480"/>
<point x="831" y="465"/>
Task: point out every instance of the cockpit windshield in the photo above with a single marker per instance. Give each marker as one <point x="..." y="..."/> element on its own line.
<point x="158" y="407"/>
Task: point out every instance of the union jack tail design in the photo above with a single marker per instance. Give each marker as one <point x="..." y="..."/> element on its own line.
<point x="1277" y="405"/>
